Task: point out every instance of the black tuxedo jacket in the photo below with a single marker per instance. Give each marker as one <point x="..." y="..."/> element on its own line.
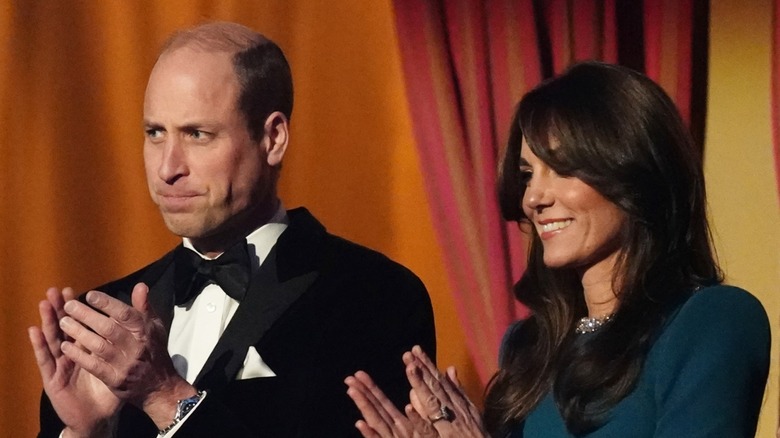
<point x="319" y="309"/>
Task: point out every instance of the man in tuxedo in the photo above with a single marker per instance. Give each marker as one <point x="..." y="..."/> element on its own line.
<point x="249" y="327"/>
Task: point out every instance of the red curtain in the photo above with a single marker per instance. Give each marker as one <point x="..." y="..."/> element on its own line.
<point x="466" y="64"/>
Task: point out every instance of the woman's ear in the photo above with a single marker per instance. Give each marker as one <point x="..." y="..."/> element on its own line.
<point x="277" y="135"/>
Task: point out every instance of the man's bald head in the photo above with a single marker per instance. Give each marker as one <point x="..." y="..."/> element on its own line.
<point x="260" y="66"/>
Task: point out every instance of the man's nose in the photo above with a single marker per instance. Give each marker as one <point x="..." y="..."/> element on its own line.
<point x="173" y="164"/>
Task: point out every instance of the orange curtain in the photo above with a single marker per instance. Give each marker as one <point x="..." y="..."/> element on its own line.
<point x="466" y="64"/>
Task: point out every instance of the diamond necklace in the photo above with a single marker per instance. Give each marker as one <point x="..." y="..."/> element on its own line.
<point x="591" y="324"/>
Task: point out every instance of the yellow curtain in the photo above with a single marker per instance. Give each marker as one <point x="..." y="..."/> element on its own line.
<point x="74" y="207"/>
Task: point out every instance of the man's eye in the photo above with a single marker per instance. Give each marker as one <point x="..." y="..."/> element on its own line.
<point x="154" y="133"/>
<point x="197" y="134"/>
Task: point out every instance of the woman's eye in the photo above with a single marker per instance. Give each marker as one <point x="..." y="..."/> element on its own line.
<point x="525" y="177"/>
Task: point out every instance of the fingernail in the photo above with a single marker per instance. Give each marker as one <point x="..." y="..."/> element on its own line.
<point x="93" y="298"/>
<point x="70" y="306"/>
<point x="64" y="322"/>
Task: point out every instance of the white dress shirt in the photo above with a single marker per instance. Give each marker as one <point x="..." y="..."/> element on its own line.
<point x="198" y="324"/>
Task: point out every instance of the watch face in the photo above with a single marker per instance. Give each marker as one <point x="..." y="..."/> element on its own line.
<point x="186" y="405"/>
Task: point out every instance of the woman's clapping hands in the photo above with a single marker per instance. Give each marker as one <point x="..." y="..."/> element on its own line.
<point x="438" y="405"/>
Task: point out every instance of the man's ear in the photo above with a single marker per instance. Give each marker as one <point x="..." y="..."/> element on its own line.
<point x="277" y="135"/>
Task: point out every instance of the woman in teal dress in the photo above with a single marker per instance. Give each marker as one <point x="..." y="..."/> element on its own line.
<point x="631" y="332"/>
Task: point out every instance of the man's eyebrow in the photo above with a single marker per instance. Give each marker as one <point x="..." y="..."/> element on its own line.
<point x="187" y="127"/>
<point x="196" y="126"/>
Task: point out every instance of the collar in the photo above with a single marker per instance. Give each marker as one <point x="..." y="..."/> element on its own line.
<point x="261" y="240"/>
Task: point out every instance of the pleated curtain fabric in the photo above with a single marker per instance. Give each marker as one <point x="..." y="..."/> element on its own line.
<point x="466" y="64"/>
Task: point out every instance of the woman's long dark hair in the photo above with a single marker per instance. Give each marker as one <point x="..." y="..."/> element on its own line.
<point x="618" y="132"/>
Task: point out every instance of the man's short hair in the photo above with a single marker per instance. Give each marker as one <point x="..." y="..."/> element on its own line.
<point x="260" y="65"/>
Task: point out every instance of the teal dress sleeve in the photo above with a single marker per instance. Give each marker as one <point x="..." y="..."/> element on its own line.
<point x="709" y="367"/>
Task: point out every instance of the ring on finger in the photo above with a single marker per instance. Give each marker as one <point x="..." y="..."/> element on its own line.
<point x="444" y="414"/>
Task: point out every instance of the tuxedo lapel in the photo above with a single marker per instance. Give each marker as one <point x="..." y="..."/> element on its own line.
<point x="161" y="292"/>
<point x="158" y="276"/>
<point x="279" y="282"/>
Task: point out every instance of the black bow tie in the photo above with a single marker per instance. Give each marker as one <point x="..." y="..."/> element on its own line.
<point x="230" y="271"/>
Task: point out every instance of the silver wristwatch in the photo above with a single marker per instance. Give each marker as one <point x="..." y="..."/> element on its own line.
<point x="183" y="407"/>
<point x="186" y="405"/>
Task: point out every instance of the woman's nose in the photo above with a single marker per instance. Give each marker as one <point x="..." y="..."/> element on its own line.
<point x="537" y="193"/>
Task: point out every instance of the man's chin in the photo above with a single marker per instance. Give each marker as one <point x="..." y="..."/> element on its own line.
<point x="186" y="228"/>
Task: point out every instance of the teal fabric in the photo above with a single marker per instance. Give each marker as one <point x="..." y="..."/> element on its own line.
<point x="703" y="377"/>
